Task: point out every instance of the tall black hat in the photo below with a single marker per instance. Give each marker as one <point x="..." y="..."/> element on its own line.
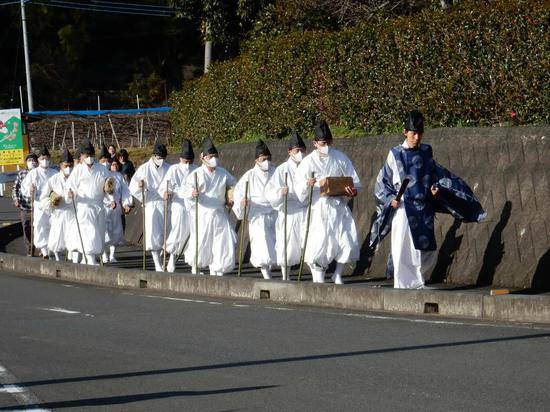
<point x="44" y="152"/>
<point x="87" y="148"/>
<point x="296" y="141"/>
<point x="66" y="156"/>
<point x="187" y="150"/>
<point x="208" y="147"/>
<point x="262" y="149"/>
<point x="160" y="149"/>
<point x="414" y="122"/>
<point x="322" y="131"/>
<point x="104" y="153"/>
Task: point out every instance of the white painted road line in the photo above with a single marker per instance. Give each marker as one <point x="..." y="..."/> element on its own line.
<point x="21" y="395"/>
<point x="61" y="310"/>
<point x="67" y="312"/>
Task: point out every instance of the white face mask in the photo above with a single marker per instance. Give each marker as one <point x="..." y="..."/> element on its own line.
<point x="264" y="165"/>
<point x="31" y="165"/>
<point x="323" y="150"/>
<point x="185" y="166"/>
<point x="44" y="163"/>
<point x="212" y="162"/>
<point x="89" y="160"/>
<point x="158" y="162"/>
<point x="67" y="171"/>
<point x="297" y="157"/>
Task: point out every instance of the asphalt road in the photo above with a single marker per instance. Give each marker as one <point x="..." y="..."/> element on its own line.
<point x="66" y="346"/>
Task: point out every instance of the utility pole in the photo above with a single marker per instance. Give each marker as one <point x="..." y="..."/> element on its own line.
<point x="207" y="48"/>
<point x="27" y="60"/>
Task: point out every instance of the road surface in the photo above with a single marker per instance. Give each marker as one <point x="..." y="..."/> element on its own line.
<point x="71" y="347"/>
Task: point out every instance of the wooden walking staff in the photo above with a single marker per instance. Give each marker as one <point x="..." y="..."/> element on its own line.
<point x="165" y="223"/>
<point x="286" y="233"/>
<point x="307" y="230"/>
<point x="80" y="233"/>
<point x="243" y="223"/>
<point x="143" y="217"/>
<point x="32" y="223"/>
<point x="196" y="226"/>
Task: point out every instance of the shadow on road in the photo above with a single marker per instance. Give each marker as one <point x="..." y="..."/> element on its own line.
<point x="281" y="360"/>
<point x="117" y="400"/>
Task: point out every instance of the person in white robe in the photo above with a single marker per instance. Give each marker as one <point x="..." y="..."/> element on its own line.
<point x="282" y="184"/>
<point x="261" y="217"/>
<point x="149" y="177"/>
<point x="34" y="184"/>
<point x="216" y="236"/>
<point x="172" y="189"/>
<point x="117" y="203"/>
<point x="332" y="232"/>
<point x="86" y="186"/>
<point x="52" y="200"/>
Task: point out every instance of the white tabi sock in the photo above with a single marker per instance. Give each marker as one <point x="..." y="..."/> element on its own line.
<point x="266" y="272"/>
<point x="44" y="252"/>
<point x="286" y="272"/>
<point x="57" y="258"/>
<point x="112" y="254"/>
<point x="219" y="273"/>
<point x="105" y="258"/>
<point x="171" y="266"/>
<point x="75" y="257"/>
<point x="156" y="259"/>
<point x="337" y="276"/>
<point x="69" y="255"/>
<point x="91" y="260"/>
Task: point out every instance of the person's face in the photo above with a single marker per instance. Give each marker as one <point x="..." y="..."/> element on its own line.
<point x="413" y="138"/>
<point x="322" y="143"/>
<point x="64" y="165"/>
<point x="114" y="167"/>
<point x="111" y="150"/>
<point x="262" y="159"/>
<point x="296" y="150"/>
<point x="185" y="161"/>
<point x="121" y="159"/>
<point x="103" y="160"/>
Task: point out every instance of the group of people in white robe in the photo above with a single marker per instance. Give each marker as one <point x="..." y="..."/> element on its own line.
<point x="186" y="209"/>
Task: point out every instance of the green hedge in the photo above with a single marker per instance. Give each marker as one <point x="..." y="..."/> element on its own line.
<point x="478" y="64"/>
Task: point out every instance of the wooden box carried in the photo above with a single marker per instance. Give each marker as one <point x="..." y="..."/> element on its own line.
<point x="335" y="186"/>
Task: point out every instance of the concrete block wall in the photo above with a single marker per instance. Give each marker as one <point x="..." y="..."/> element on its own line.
<point x="509" y="170"/>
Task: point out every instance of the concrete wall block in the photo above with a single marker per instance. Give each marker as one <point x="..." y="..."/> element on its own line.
<point x="515" y="308"/>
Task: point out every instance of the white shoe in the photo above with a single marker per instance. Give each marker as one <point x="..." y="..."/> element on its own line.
<point x="105" y="258"/>
<point x="113" y="259"/>
<point x="219" y="273"/>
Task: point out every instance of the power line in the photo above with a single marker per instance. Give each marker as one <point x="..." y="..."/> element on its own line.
<point x="120" y="8"/>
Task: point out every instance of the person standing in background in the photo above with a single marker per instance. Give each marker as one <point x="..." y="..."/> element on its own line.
<point x="23" y="203"/>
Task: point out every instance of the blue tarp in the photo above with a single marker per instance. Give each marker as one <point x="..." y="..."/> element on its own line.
<point x="99" y="112"/>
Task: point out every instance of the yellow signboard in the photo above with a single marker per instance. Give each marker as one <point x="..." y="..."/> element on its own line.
<point x="12" y="149"/>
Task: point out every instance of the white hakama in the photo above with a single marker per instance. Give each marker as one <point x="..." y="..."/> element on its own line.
<point x="261" y="217"/>
<point x="41" y="217"/>
<point x="154" y="204"/>
<point x="216" y="236"/>
<point x="296" y="213"/>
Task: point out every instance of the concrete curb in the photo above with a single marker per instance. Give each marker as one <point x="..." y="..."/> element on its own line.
<point x="507" y="308"/>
